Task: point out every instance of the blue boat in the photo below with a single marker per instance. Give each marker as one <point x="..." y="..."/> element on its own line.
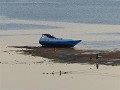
<point x="48" y="40"/>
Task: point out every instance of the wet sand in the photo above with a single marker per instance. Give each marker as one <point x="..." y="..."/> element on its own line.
<point x="27" y="66"/>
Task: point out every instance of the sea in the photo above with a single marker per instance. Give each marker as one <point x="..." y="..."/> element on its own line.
<point x="77" y="11"/>
<point x="105" y="12"/>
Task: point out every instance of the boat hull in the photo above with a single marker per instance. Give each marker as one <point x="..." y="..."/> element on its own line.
<point x="63" y="43"/>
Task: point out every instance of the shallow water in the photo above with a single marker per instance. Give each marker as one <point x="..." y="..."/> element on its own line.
<point x="24" y="26"/>
<point x="80" y="11"/>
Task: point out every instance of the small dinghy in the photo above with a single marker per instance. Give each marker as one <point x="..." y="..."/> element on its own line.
<point x="48" y="40"/>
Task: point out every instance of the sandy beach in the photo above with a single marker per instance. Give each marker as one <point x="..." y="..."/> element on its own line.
<point x="28" y="72"/>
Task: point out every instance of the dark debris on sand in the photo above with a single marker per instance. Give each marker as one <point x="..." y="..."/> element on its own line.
<point x="70" y="55"/>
